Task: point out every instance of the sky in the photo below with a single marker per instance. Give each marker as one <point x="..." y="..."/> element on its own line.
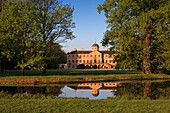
<point x="90" y="25"/>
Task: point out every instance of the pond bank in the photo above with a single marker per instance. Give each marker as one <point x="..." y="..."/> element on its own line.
<point x="64" y="79"/>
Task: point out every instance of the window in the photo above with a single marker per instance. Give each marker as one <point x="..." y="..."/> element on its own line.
<point x="72" y="61"/>
<point x="68" y="55"/>
<point x="106" y="61"/>
<point x="76" y="61"/>
<point x="90" y="61"/>
<point x="72" y="66"/>
<point x="84" y="61"/>
<point x="99" y="55"/>
<point x="110" y="61"/>
<point x="72" y="55"/>
<point x="98" y="61"/>
<point x="80" y="61"/>
<point x="87" y="61"/>
<point x="76" y="55"/>
<point x="87" y="55"/>
<point x="83" y="55"/>
<point x="94" y="55"/>
<point x="69" y="61"/>
<point x="91" y="55"/>
<point x="106" y="55"/>
<point x="94" y="61"/>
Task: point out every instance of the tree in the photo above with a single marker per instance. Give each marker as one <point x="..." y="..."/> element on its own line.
<point x="139" y="30"/>
<point x="1" y="56"/>
<point x="19" y="34"/>
<point x="55" y="22"/>
<point x="55" y="55"/>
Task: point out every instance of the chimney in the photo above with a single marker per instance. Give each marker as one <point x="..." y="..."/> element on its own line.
<point x="75" y="49"/>
<point x="82" y="49"/>
<point x="107" y="49"/>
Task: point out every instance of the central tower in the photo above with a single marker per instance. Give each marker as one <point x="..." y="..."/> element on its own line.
<point x="95" y="47"/>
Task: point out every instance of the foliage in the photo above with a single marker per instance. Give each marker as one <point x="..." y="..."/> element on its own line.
<point x="55" y="25"/>
<point x="19" y="34"/>
<point x="55" y="56"/>
<point x="139" y="29"/>
<point x="31" y="31"/>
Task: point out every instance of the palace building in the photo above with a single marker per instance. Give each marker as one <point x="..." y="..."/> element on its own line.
<point x="94" y="59"/>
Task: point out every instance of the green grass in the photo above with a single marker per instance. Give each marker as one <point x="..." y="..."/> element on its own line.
<point x="72" y="76"/>
<point x="83" y="106"/>
<point x="76" y="72"/>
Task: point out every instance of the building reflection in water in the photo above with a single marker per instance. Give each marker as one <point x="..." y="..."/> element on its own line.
<point x="95" y="87"/>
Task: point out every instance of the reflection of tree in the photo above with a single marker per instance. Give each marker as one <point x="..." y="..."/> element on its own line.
<point x="31" y="90"/>
<point x="34" y="90"/>
<point x="54" y="91"/>
<point x="130" y="89"/>
<point x="152" y="90"/>
<point x="160" y="89"/>
<point x="8" y="90"/>
<point x="147" y="89"/>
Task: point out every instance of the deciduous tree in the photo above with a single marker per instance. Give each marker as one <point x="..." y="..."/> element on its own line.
<point x="139" y="29"/>
<point x="19" y="33"/>
<point x="55" y="22"/>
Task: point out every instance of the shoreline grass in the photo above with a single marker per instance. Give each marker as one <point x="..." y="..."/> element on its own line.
<point x="83" y="106"/>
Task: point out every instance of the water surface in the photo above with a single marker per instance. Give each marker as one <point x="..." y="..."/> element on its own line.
<point x="148" y="89"/>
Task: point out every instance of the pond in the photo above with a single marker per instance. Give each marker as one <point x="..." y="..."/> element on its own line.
<point x="102" y="90"/>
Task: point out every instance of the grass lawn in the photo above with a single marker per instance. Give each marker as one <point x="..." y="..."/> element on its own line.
<point x="83" y="106"/>
<point x="76" y="72"/>
<point x="72" y="76"/>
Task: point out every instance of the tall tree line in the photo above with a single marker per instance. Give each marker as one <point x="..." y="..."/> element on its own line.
<point x="139" y="29"/>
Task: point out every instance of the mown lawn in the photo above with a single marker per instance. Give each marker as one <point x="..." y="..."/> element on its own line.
<point x="74" y="72"/>
<point x="73" y="76"/>
<point x="83" y="106"/>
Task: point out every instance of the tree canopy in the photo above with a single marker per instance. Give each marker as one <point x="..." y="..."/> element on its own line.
<point x="139" y="30"/>
<point x="31" y="29"/>
<point x="55" y="23"/>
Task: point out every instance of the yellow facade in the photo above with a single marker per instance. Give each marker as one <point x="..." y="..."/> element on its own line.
<point x="94" y="59"/>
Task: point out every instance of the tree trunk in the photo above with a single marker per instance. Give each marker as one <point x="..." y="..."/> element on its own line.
<point x="22" y="71"/>
<point x="146" y="54"/>
<point x="1" y="67"/>
<point x="44" y="70"/>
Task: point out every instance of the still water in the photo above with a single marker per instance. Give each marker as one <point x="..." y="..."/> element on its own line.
<point x="149" y="89"/>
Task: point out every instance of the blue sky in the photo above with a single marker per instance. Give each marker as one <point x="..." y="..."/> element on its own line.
<point x="90" y="25"/>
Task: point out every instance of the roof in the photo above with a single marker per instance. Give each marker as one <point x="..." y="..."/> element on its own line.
<point x="79" y="52"/>
<point x="87" y="52"/>
<point x="95" y="45"/>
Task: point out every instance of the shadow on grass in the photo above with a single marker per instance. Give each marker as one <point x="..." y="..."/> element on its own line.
<point x="66" y="72"/>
